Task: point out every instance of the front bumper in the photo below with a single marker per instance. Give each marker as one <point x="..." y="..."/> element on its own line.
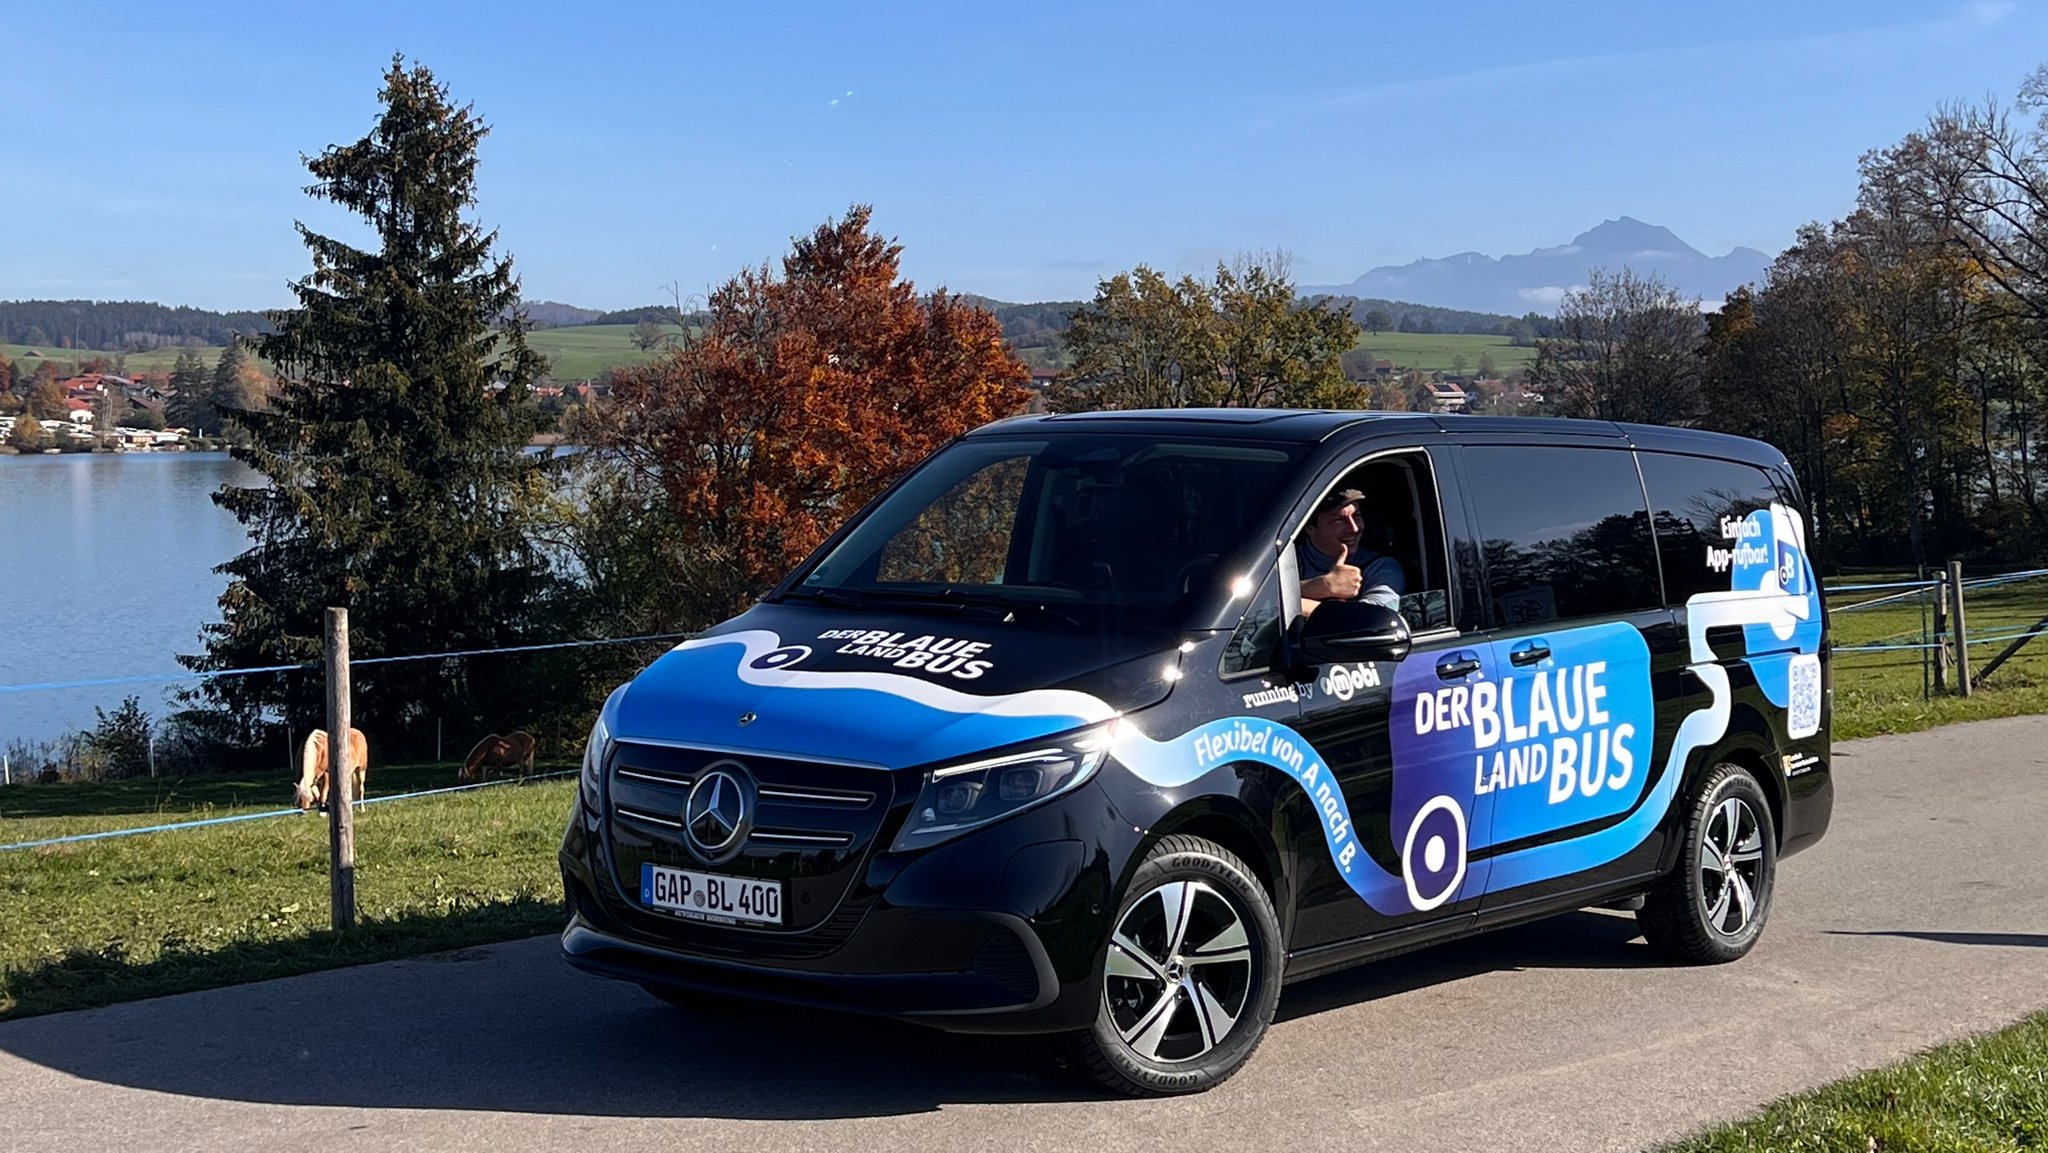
<point x="999" y="930"/>
<point x="1009" y="975"/>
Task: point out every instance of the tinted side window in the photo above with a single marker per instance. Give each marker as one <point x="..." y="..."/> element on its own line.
<point x="1690" y="496"/>
<point x="1564" y="531"/>
<point x="1250" y="649"/>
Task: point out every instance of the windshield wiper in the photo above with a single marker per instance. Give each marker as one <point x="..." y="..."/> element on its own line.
<point x="828" y="597"/>
<point x="951" y="598"/>
<point x="1015" y="605"/>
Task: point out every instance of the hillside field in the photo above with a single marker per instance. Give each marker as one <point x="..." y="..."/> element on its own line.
<point x="573" y="353"/>
<point x="156" y="360"/>
<point x="586" y="351"/>
<point x="1433" y="352"/>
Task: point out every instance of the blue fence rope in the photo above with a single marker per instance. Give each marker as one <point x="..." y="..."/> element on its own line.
<point x="2005" y="578"/>
<point x="1914" y="584"/>
<point x="76" y="838"/>
<point x="1873" y="602"/>
<point x="147" y="678"/>
<point x="1992" y="640"/>
<point x="519" y="649"/>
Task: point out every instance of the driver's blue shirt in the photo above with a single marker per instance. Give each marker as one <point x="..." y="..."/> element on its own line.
<point x="1381" y="579"/>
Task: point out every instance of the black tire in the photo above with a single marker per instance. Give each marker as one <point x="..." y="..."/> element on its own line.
<point x="1696" y="914"/>
<point x="1188" y="1054"/>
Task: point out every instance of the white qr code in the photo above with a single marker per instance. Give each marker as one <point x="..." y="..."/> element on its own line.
<point x="1802" y="717"/>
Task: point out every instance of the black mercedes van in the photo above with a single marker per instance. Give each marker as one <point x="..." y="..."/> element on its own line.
<point x="1111" y="724"/>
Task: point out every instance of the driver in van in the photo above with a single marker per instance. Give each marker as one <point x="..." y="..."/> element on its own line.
<point x="1335" y="567"/>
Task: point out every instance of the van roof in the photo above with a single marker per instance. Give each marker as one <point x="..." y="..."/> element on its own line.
<point x="1291" y="424"/>
<point x="1311" y="426"/>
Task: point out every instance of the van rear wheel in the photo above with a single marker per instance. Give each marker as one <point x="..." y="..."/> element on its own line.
<point x="1190" y="975"/>
<point x="1712" y="908"/>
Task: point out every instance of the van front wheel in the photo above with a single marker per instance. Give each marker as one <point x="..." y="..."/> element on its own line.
<point x="1712" y="908"/>
<point x="1190" y="977"/>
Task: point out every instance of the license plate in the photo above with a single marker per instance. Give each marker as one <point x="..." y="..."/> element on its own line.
<point x="710" y="897"/>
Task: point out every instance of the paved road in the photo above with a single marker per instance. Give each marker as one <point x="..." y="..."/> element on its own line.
<point x="1922" y="916"/>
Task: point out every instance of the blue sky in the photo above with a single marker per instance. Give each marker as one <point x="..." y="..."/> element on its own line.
<point x="1021" y="151"/>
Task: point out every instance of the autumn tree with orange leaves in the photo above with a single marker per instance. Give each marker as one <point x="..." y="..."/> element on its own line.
<point x="796" y="399"/>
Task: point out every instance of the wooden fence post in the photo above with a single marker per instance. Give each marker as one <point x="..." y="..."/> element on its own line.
<point x="1960" y="631"/>
<point x="1942" y="657"/>
<point x="341" y="826"/>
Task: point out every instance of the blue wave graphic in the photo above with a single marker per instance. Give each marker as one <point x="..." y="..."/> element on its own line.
<point x="697" y="692"/>
<point x="1235" y="740"/>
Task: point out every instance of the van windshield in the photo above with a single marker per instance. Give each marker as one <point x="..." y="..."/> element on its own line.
<point x="1084" y="529"/>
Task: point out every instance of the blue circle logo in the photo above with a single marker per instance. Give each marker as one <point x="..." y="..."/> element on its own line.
<point x="1433" y="857"/>
<point x="781" y="658"/>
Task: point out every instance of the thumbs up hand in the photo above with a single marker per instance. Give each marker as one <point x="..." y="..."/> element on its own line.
<point x="1344" y="580"/>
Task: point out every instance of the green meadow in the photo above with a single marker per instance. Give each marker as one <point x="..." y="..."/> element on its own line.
<point x="573" y="353"/>
<point x="1439" y="352"/>
<point x="587" y="351"/>
<point x="90" y="923"/>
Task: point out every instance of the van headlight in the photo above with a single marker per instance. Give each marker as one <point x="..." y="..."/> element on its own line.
<point x="599" y="750"/>
<point x="596" y="750"/>
<point x="969" y="794"/>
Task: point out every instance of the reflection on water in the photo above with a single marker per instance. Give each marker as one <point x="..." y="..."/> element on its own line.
<point x="107" y="561"/>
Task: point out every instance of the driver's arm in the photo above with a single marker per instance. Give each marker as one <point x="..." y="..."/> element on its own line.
<point x="1382" y="582"/>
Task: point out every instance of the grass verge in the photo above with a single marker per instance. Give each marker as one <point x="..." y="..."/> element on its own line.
<point x="1879" y="693"/>
<point x="1986" y="1094"/>
<point x="92" y="923"/>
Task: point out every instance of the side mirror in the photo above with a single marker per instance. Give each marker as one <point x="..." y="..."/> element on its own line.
<point x="1340" y="631"/>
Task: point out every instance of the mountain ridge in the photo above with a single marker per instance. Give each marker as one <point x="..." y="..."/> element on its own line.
<point x="1536" y="280"/>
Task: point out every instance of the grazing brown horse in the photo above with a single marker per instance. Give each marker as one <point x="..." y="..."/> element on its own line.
<point x="312" y="787"/>
<point x="514" y="749"/>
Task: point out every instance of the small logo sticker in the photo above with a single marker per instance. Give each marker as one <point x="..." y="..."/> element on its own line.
<point x="1343" y="681"/>
<point x="781" y="658"/>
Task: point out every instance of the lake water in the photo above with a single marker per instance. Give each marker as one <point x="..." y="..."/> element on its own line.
<point x="107" y="564"/>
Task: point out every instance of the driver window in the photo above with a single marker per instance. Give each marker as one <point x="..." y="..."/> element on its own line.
<point x="1376" y="535"/>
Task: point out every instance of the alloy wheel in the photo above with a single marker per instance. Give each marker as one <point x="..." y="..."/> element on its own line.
<point x="1731" y="866"/>
<point x="1178" y="973"/>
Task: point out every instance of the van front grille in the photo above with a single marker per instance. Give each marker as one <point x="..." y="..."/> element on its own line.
<point x="813" y="828"/>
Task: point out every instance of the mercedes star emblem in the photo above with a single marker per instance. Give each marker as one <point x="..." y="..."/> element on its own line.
<point x="718" y="812"/>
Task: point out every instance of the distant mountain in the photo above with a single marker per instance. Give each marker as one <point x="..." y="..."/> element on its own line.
<point x="1534" y="282"/>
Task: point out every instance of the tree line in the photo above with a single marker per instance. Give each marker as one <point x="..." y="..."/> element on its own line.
<point x="1375" y="316"/>
<point x="128" y="325"/>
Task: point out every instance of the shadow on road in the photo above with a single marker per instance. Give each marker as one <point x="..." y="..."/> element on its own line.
<point x="512" y="1029"/>
<point x="1585" y="940"/>
<point x="2009" y="940"/>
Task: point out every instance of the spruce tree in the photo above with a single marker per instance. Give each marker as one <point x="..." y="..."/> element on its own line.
<point x="192" y="400"/>
<point x="399" y="485"/>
